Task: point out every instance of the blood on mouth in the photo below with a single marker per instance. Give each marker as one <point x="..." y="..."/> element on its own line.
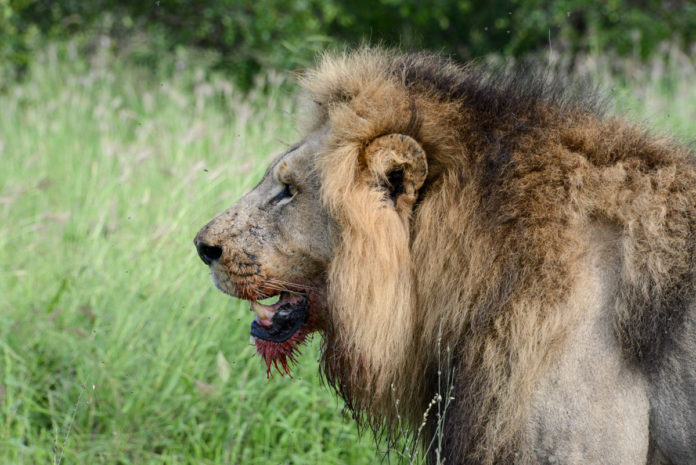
<point x="278" y="329"/>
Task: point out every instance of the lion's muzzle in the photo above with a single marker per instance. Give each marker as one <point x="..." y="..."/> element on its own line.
<point x="223" y="247"/>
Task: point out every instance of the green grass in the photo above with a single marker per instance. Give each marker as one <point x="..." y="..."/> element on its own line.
<point x="114" y="346"/>
<point x="106" y="176"/>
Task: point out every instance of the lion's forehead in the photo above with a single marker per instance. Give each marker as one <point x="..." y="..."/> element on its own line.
<point x="292" y="165"/>
<point x="298" y="162"/>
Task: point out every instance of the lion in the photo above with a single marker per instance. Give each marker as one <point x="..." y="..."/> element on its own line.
<point x="492" y="225"/>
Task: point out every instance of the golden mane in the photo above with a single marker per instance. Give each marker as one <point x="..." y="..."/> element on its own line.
<point x="486" y="261"/>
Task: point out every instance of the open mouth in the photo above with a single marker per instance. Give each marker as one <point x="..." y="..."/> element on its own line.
<point x="279" y="328"/>
<point x="280" y="320"/>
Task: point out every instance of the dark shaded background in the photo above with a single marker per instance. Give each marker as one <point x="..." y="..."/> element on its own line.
<point x="249" y="35"/>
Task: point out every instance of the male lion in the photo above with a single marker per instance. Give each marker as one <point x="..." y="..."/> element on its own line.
<point x="435" y="207"/>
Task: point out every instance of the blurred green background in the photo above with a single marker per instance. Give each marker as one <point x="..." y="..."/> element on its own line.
<point x="125" y="126"/>
<point x="248" y="36"/>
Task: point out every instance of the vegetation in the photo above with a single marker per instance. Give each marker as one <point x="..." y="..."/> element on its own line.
<point x="248" y="36"/>
<point x="114" y="346"/>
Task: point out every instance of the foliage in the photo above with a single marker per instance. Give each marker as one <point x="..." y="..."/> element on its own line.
<point x="515" y="27"/>
<point x="247" y="34"/>
<point x="250" y="35"/>
<point x="16" y="37"/>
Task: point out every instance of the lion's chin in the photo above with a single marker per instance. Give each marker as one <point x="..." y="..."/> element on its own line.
<point x="278" y="330"/>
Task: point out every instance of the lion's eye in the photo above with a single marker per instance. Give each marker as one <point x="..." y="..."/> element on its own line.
<point x="290" y="190"/>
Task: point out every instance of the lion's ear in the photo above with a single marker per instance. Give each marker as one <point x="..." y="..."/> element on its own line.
<point x="397" y="164"/>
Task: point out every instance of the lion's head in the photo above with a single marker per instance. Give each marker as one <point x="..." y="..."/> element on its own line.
<point x="328" y="230"/>
<point x="276" y="242"/>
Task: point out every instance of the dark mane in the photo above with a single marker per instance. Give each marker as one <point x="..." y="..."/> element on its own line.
<point x="512" y="91"/>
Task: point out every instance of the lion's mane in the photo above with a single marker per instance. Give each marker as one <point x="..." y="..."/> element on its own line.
<point x="483" y="265"/>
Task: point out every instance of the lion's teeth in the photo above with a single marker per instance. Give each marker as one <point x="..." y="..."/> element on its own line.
<point x="260" y="310"/>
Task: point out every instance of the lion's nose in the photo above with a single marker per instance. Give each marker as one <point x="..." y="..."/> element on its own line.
<point x="208" y="253"/>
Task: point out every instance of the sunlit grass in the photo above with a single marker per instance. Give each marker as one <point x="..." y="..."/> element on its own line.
<point x="106" y="174"/>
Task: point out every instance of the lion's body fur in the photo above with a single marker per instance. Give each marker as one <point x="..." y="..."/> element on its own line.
<point x="517" y="175"/>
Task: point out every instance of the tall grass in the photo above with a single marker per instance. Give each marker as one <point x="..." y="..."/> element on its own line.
<point x="114" y="346"/>
<point x="105" y="310"/>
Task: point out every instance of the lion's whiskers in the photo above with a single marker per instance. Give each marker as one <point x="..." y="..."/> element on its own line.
<point x="262" y="295"/>
<point x="288" y="286"/>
